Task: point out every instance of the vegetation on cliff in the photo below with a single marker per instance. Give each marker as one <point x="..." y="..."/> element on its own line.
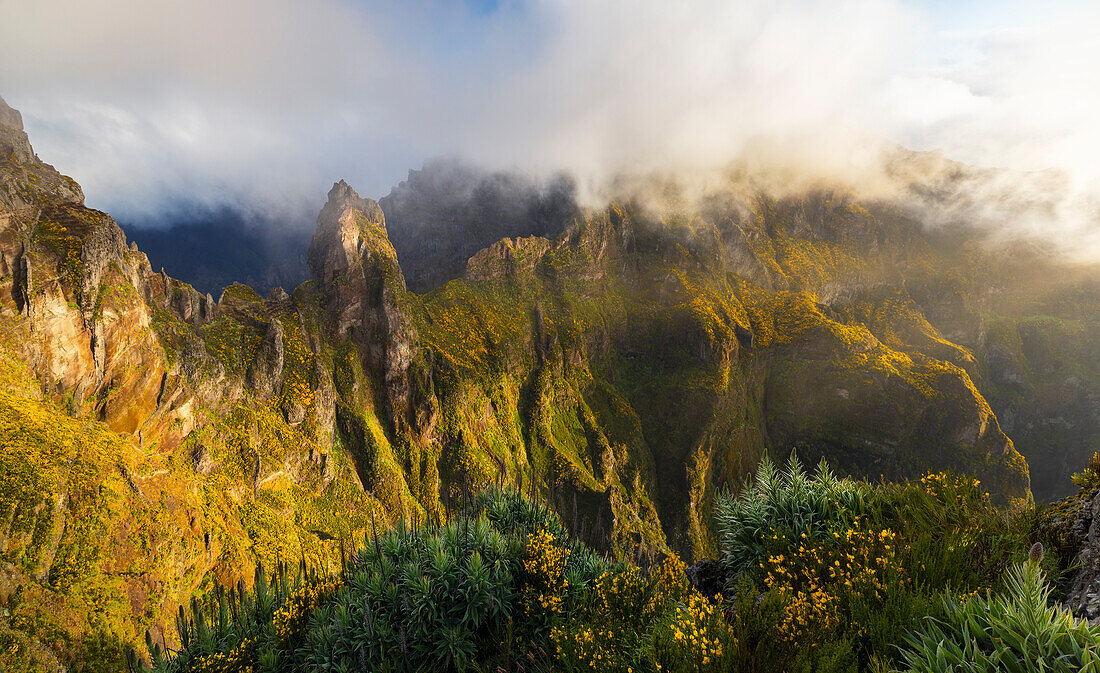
<point x="626" y="370"/>
<point x="811" y="586"/>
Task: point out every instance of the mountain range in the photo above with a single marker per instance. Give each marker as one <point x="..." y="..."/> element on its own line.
<point x="621" y="362"/>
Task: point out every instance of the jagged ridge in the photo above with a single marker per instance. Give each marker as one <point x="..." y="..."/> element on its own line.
<point x="624" y="371"/>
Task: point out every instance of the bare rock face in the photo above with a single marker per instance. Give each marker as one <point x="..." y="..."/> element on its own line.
<point x="364" y="293"/>
<point x="10" y="116"/>
<point x="1075" y="521"/>
<point x="265" y="373"/>
<point x="81" y="291"/>
<point x="335" y="247"/>
<point x="13" y="140"/>
<point x="103" y="245"/>
<point x="23" y="283"/>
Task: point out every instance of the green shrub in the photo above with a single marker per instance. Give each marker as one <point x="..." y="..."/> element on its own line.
<point x="238" y="627"/>
<point x="1089" y="477"/>
<point x="1014" y="632"/>
<point x="510" y="511"/>
<point x="422" y="600"/>
<point x="787" y="502"/>
<point x="955" y="539"/>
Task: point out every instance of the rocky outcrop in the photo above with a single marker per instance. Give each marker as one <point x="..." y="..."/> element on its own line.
<point x="365" y="299"/>
<point x="13" y="140"/>
<point x="508" y="258"/>
<point x="1074" y="524"/>
<point x="22" y="282"/>
<point x="265" y="372"/>
<point x="81" y="289"/>
<point x="708" y="576"/>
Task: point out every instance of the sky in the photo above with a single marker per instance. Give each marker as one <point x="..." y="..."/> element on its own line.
<point x="261" y="105"/>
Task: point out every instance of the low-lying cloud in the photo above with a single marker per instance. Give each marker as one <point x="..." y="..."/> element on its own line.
<point x="263" y="104"/>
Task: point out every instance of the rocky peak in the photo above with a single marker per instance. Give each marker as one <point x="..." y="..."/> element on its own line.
<point x="364" y="292"/>
<point x="26" y="183"/>
<point x="13" y="140"/>
<point x="345" y="220"/>
<point x="343" y="193"/>
<point x="9" y="116"/>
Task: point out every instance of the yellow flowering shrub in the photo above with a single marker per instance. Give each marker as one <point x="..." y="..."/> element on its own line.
<point x="586" y="647"/>
<point x="820" y="576"/>
<point x="1089" y="477"/>
<point x="298" y="365"/>
<point x="629" y="621"/>
<point x="953" y="490"/>
<point x="672" y="580"/>
<point x="545" y="585"/>
<point x="620" y="607"/>
<point x="626" y="596"/>
<point x="241" y="659"/>
<point x="291" y="619"/>
<point x="697" y="637"/>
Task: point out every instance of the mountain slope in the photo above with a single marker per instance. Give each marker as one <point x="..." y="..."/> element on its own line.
<point x="623" y="371"/>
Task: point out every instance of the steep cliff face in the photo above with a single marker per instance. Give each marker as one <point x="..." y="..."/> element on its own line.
<point x="153" y="441"/>
<point x="1031" y="322"/>
<point x="364" y="299"/>
<point x="623" y="369"/>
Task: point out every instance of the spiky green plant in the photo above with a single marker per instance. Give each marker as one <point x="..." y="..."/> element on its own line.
<point x="421" y="600"/>
<point x="1016" y="631"/>
<point x="782" y="501"/>
<point x="510" y="511"/>
<point x="236" y="625"/>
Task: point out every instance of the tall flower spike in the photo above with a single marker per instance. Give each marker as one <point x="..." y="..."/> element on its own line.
<point x="1036" y="552"/>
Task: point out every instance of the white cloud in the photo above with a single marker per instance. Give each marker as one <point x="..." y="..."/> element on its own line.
<point x="263" y="103"/>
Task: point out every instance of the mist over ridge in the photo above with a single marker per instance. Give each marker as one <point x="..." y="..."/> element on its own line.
<point x="259" y="107"/>
<point x="448" y="210"/>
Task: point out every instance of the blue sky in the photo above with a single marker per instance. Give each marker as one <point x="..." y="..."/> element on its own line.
<point x="483" y="6"/>
<point x="970" y="15"/>
<point x="987" y="15"/>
